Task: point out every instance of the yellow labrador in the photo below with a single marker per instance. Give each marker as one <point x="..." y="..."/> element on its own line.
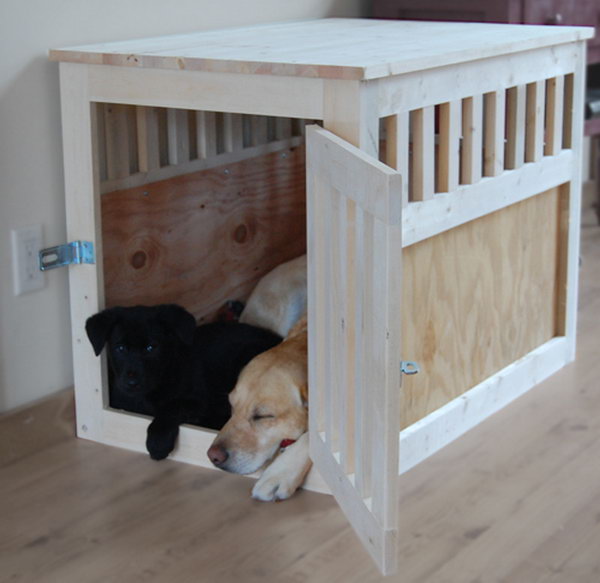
<point x="269" y="422"/>
<point x="279" y="299"/>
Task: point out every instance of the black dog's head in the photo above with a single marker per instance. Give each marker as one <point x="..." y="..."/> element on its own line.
<point x="144" y="342"/>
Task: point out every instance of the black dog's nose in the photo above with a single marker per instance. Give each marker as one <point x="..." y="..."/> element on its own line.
<point x="132" y="380"/>
<point x="217" y="454"/>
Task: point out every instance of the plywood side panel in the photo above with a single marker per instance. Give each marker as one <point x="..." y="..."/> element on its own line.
<point x="477" y="298"/>
<point x="203" y="238"/>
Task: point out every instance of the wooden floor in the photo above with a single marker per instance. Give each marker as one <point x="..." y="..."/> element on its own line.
<point x="515" y="500"/>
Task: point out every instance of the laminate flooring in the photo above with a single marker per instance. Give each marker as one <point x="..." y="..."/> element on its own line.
<point x="517" y="499"/>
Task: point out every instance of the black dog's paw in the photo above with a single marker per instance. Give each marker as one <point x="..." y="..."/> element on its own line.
<point x="161" y="438"/>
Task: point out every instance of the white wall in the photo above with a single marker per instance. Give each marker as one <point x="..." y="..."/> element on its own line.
<point x="35" y="353"/>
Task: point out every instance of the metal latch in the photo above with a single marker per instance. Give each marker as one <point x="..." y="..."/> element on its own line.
<point x="68" y="254"/>
<point x="409" y="367"/>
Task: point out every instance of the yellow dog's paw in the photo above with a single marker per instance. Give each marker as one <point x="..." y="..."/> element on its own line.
<point x="270" y="488"/>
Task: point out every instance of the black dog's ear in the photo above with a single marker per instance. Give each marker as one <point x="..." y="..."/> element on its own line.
<point x="98" y="328"/>
<point x="179" y="321"/>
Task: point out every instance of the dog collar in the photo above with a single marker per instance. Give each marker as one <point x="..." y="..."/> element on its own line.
<point x="286" y="442"/>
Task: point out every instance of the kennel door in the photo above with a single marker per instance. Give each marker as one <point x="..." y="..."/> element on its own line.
<point x="354" y="273"/>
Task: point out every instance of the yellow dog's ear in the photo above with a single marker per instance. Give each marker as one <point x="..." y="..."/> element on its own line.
<point x="304" y="394"/>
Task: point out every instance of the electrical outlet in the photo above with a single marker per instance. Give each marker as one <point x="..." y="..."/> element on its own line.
<point x="26" y="243"/>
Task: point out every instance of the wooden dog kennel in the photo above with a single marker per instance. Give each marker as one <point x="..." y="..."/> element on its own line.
<point x="443" y="202"/>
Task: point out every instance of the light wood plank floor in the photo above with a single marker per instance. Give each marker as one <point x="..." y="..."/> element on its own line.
<point x="515" y="500"/>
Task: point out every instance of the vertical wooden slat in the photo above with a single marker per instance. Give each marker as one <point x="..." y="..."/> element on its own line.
<point x="534" y="141"/>
<point x="82" y="203"/>
<point x="147" y="138"/>
<point x="554" y="115"/>
<point x="317" y="319"/>
<point x="515" y="127"/>
<point x="386" y="352"/>
<point x="368" y="331"/>
<point x="117" y="140"/>
<point x="335" y="396"/>
<point x="99" y="109"/>
<point x="283" y="128"/>
<point x="568" y="111"/>
<point x="423" y="162"/>
<point x="233" y="137"/>
<point x="206" y="134"/>
<point x="361" y="459"/>
<point x="472" y="144"/>
<point x="493" y="149"/>
<point x="178" y="136"/>
<point x="397" y="152"/>
<point x="339" y="253"/>
<point x="259" y="130"/>
<point x="449" y="147"/>
<point x="348" y="245"/>
<point x="331" y="436"/>
<point x="569" y="266"/>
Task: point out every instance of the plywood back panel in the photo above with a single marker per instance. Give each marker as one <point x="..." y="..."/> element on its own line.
<point x="477" y="298"/>
<point x="206" y="237"/>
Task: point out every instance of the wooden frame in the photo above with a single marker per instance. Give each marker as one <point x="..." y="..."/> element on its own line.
<point x="509" y="127"/>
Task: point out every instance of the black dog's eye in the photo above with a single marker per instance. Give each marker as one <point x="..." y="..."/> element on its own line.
<point x="259" y="416"/>
<point x="120" y="348"/>
<point x="150" y="347"/>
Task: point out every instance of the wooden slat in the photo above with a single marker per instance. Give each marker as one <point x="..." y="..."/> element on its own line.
<point x="233" y="138"/>
<point x="98" y="109"/>
<point x="554" y="115"/>
<point x="258" y="130"/>
<point x="283" y="128"/>
<point x="384" y="356"/>
<point x="117" y="138"/>
<point x="569" y="105"/>
<point x="534" y="142"/>
<point x="178" y="136"/>
<point x="422" y="171"/>
<point x="332" y="391"/>
<point x="364" y="406"/>
<point x="206" y="134"/>
<point x="515" y="127"/>
<point x="493" y="160"/>
<point x="472" y="144"/>
<point x="362" y="473"/>
<point x="82" y="202"/>
<point x="571" y="276"/>
<point x="317" y="318"/>
<point x="147" y="138"/>
<point x="397" y="150"/>
<point x="340" y="383"/>
<point x="449" y="146"/>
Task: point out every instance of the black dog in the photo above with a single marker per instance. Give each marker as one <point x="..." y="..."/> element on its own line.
<point x="163" y="366"/>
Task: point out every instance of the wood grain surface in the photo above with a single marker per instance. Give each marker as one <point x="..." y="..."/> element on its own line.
<point x="477" y="298"/>
<point x="206" y="237"/>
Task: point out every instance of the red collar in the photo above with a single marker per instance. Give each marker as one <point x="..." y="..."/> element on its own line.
<point x="286" y="442"/>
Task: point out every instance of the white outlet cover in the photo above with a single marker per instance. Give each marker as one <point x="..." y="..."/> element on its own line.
<point x="26" y="243"/>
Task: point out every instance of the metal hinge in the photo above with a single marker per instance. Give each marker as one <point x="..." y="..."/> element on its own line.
<point x="73" y="253"/>
<point x="409" y="367"/>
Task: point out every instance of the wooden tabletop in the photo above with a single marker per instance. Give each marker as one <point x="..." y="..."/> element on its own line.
<point x="333" y="48"/>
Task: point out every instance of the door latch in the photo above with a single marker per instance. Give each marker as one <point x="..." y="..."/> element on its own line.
<point x="408" y="367"/>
